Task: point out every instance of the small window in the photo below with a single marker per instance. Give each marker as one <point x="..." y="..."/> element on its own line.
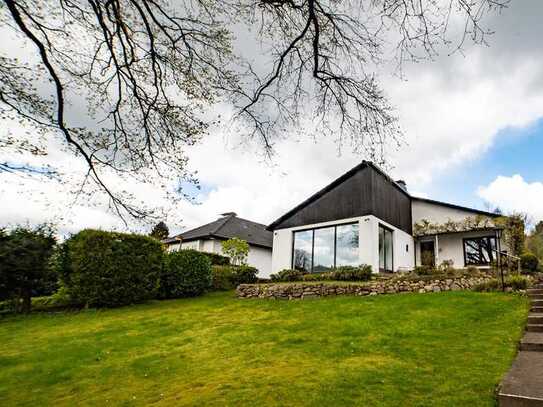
<point x="480" y="251"/>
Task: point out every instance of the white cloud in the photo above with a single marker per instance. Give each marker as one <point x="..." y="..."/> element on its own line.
<point x="451" y="111"/>
<point x="514" y="194"/>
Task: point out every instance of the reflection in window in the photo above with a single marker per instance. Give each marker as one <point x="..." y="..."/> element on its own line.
<point x="322" y="249"/>
<point x="385" y="249"/>
<point x="303" y="246"/>
<point x="480" y="251"/>
<point x="347" y="245"/>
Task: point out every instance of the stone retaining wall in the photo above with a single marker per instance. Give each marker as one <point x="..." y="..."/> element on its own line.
<point x="300" y="290"/>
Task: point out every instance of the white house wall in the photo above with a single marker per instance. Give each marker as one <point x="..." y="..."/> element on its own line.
<point x="436" y="213"/>
<point x="260" y="258"/>
<point x="194" y="245"/>
<point x="368" y="227"/>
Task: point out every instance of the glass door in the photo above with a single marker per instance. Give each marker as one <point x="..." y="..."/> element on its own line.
<point x="386" y="250"/>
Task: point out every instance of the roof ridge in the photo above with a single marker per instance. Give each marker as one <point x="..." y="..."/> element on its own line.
<point x="222" y="222"/>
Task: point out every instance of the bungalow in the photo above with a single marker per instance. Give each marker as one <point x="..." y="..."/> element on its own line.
<point x="365" y="217"/>
<point x="208" y="238"/>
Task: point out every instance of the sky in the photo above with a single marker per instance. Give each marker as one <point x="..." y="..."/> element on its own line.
<point x="473" y="135"/>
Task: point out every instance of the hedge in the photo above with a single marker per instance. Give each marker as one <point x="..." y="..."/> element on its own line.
<point x="110" y="269"/>
<point x="186" y="273"/>
<point x="217" y="259"/>
<point x="229" y="277"/>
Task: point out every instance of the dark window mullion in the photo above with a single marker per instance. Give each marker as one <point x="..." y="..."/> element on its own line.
<point x="335" y="246"/>
<point x="313" y="250"/>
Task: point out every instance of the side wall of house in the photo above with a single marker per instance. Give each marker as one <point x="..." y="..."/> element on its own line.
<point x="436" y="213"/>
<point x="261" y="258"/>
<point x="368" y="227"/>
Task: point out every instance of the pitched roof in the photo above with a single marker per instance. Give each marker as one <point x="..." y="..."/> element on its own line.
<point x="350" y="174"/>
<point x="334" y="184"/>
<point x="227" y="227"/>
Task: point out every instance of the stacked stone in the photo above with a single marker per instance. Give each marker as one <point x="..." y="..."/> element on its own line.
<point x="302" y="290"/>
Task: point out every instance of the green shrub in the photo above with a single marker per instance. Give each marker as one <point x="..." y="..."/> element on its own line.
<point x="343" y="273"/>
<point x="490" y="285"/>
<point x="217" y="259"/>
<point x="424" y="270"/>
<point x="446" y="267"/>
<point x="351" y="273"/>
<point x="529" y="262"/>
<point x="515" y="282"/>
<point x="229" y="277"/>
<point x="245" y="274"/>
<point x="288" y="275"/>
<point x="316" y="276"/>
<point x="472" y="270"/>
<point x="221" y="278"/>
<point x="110" y="269"/>
<point x="57" y="301"/>
<point x="186" y="273"/>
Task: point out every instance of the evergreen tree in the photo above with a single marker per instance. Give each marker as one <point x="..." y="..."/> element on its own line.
<point x="160" y="231"/>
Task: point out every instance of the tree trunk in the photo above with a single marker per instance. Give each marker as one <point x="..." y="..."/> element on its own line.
<point x="27" y="300"/>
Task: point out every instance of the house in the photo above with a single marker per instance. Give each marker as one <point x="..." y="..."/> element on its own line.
<point x="365" y="217"/>
<point x="208" y="238"/>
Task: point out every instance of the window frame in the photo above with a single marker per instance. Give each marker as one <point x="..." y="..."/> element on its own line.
<point x="492" y="255"/>
<point x="334" y="226"/>
<point x="386" y="228"/>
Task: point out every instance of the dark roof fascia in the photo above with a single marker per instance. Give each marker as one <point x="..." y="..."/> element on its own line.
<point x="250" y="243"/>
<point x="332" y="185"/>
<point x="170" y="240"/>
<point x="454" y="206"/>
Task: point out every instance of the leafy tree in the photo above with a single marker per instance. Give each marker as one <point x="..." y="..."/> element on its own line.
<point x="534" y="241"/>
<point x="237" y="250"/>
<point x="146" y="73"/>
<point x="160" y="231"/>
<point x="513" y="233"/>
<point x="24" y="265"/>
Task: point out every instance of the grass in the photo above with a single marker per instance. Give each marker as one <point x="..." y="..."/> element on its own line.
<point x="444" y="349"/>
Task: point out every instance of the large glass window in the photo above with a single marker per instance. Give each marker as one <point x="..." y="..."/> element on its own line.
<point x="347" y="245"/>
<point x="321" y="249"/>
<point x="303" y="250"/>
<point x="480" y="251"/>
<point x="385" y="249"/>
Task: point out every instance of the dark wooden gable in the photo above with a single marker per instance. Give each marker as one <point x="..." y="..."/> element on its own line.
<point x="362" y="191"/>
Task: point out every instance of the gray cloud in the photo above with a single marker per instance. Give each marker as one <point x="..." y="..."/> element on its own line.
<point x="451" y="110"/>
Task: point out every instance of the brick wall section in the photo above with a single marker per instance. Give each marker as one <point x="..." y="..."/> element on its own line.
<point x="302" y="290"/>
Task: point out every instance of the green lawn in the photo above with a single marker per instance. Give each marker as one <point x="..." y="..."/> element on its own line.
<point x="447" y="349"/>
